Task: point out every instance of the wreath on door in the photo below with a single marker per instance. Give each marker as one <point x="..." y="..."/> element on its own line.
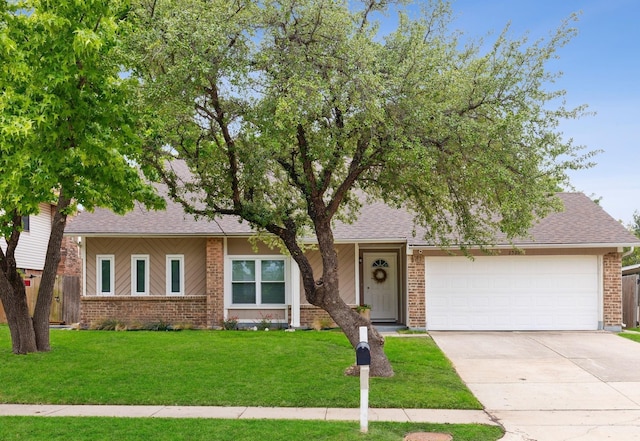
<point x="379" y="275"/>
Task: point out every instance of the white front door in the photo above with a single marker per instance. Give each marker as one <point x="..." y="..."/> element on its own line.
<point x="380" y="282"/>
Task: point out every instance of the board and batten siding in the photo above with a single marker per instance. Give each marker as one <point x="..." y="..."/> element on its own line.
<point x="32" y="247"/>
<point x="346" y="272"/>
<point x="193" y="249"/>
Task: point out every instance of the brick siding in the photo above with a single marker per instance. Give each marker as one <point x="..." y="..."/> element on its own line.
<point x="416" y="291"/>
<point x="140" y="310"/>
<point x="309" y="313"/>
<point x="215" y="282"/>
<point x="70" y="259"/>
<point x="612" y="290"/>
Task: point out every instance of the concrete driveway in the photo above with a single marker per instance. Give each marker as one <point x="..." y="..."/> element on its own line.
<point x="552" y="386"/>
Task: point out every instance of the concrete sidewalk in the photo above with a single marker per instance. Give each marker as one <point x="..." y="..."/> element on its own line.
<point x="445" y="416"/>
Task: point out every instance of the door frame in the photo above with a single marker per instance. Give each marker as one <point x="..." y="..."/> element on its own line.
<point x="400" y="277"/>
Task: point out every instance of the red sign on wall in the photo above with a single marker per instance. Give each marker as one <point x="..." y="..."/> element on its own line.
<point x="27" y="282"/>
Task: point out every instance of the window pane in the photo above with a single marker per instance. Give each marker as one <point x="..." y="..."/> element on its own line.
<point x="273" y="270"/>
<point x="26" y="223"/>
<point x="244" y="293"/>
<point x="105" y="268"/>
<point x="243" y="271"/>
<point x="175" y="276"/>
<point x="140" y="275"/>
<point x="273" y="292"/>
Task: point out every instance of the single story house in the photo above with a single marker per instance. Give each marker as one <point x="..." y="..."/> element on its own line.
<point x="146" y="266"/>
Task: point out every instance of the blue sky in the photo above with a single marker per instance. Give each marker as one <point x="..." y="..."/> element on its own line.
<point x="601" y="68"/>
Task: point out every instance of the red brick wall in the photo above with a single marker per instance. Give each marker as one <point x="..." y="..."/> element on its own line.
<point x="70" y="259"/>
<point x="215" y="282"/>
<point x="416" y="291"/>
<point x="132" y="310"/>
<point x="308" y="313"/>
<point x="612" y="290"/>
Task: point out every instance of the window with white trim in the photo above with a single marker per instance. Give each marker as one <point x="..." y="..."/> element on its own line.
<point x="139" y="274"/>
<point x="175" y="274"/>
<point x="258" y="281"/>
<point x="105" y="277"/>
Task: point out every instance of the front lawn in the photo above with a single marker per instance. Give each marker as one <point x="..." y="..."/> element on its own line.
<point x="224" y="368"/>
<point x="635" y="336"/>
<point x="143" y="429"/>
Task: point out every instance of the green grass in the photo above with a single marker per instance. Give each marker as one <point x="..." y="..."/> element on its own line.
<point x="634" y="337"/>
<point x="224" y="368"/>
<point x="129" y="429"/>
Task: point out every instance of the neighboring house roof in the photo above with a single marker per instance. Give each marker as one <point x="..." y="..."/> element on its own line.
<point x="582" y="223"/>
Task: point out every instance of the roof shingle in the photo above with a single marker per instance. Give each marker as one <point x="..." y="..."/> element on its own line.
<point x="582" y="222"/>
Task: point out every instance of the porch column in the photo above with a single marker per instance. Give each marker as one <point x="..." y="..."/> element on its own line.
<point x="295" y="295"/>
<point x="612" y="291"/>
<point x="416" y="295"/>
<point x="215" y="281"/>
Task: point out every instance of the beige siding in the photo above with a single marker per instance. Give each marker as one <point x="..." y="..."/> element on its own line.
<point x="193" y="249"/>
<point x="242" y="247"/>
<point x="258" y="314"/>
<point x="346" y="272"/>
<point x="346" y="262"/>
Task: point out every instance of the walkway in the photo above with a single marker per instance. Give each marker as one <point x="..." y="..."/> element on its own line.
<point x="328" y="414"/>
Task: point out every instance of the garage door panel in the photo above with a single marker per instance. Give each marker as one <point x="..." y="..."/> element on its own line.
<point x="512" y="293"/>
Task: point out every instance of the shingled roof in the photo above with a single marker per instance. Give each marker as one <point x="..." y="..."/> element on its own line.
<point x="581" y="223"/>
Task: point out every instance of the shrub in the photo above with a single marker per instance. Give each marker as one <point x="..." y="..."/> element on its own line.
<point x="160" y="325"/>
<point x="230" y="323"/>
<point x="265" y="322"/>
<point x="320" y="323"/>
<point x="184" y="326"/>
<point x="107" y="325"/>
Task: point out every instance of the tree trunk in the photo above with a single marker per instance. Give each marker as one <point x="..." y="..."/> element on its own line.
<point x="14" y="301"/>
<point x="27" y="334"/>
<point x="324" y="293"/>
<point x="47" y="284"/>
<point x="350" y="321"/>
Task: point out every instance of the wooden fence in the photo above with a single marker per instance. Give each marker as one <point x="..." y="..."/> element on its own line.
<point x="630" y="300"/>
<point x="65" y="307"/>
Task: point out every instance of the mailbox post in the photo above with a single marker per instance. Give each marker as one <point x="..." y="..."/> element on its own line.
<point x="363" y="359"/>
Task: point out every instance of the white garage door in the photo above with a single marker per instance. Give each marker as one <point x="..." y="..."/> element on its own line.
<point x="512" y="293"/>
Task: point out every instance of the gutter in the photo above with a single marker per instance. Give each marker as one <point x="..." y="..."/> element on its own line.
<point x="410" y="248"/>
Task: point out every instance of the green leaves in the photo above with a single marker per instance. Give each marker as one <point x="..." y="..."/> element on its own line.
<point x="67" y="117"/>
<point x="284" y="109"/>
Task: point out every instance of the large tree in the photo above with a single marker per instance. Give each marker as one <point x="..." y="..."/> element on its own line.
<point x="67" y="136"/>
<point x="289" y="112"/>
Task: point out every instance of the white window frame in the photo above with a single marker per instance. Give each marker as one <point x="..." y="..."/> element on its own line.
<point x="169" y="259"/>
<point x="134" y="274"/>
<point x="112" y="278"/>
<point x="258" y="261"/>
